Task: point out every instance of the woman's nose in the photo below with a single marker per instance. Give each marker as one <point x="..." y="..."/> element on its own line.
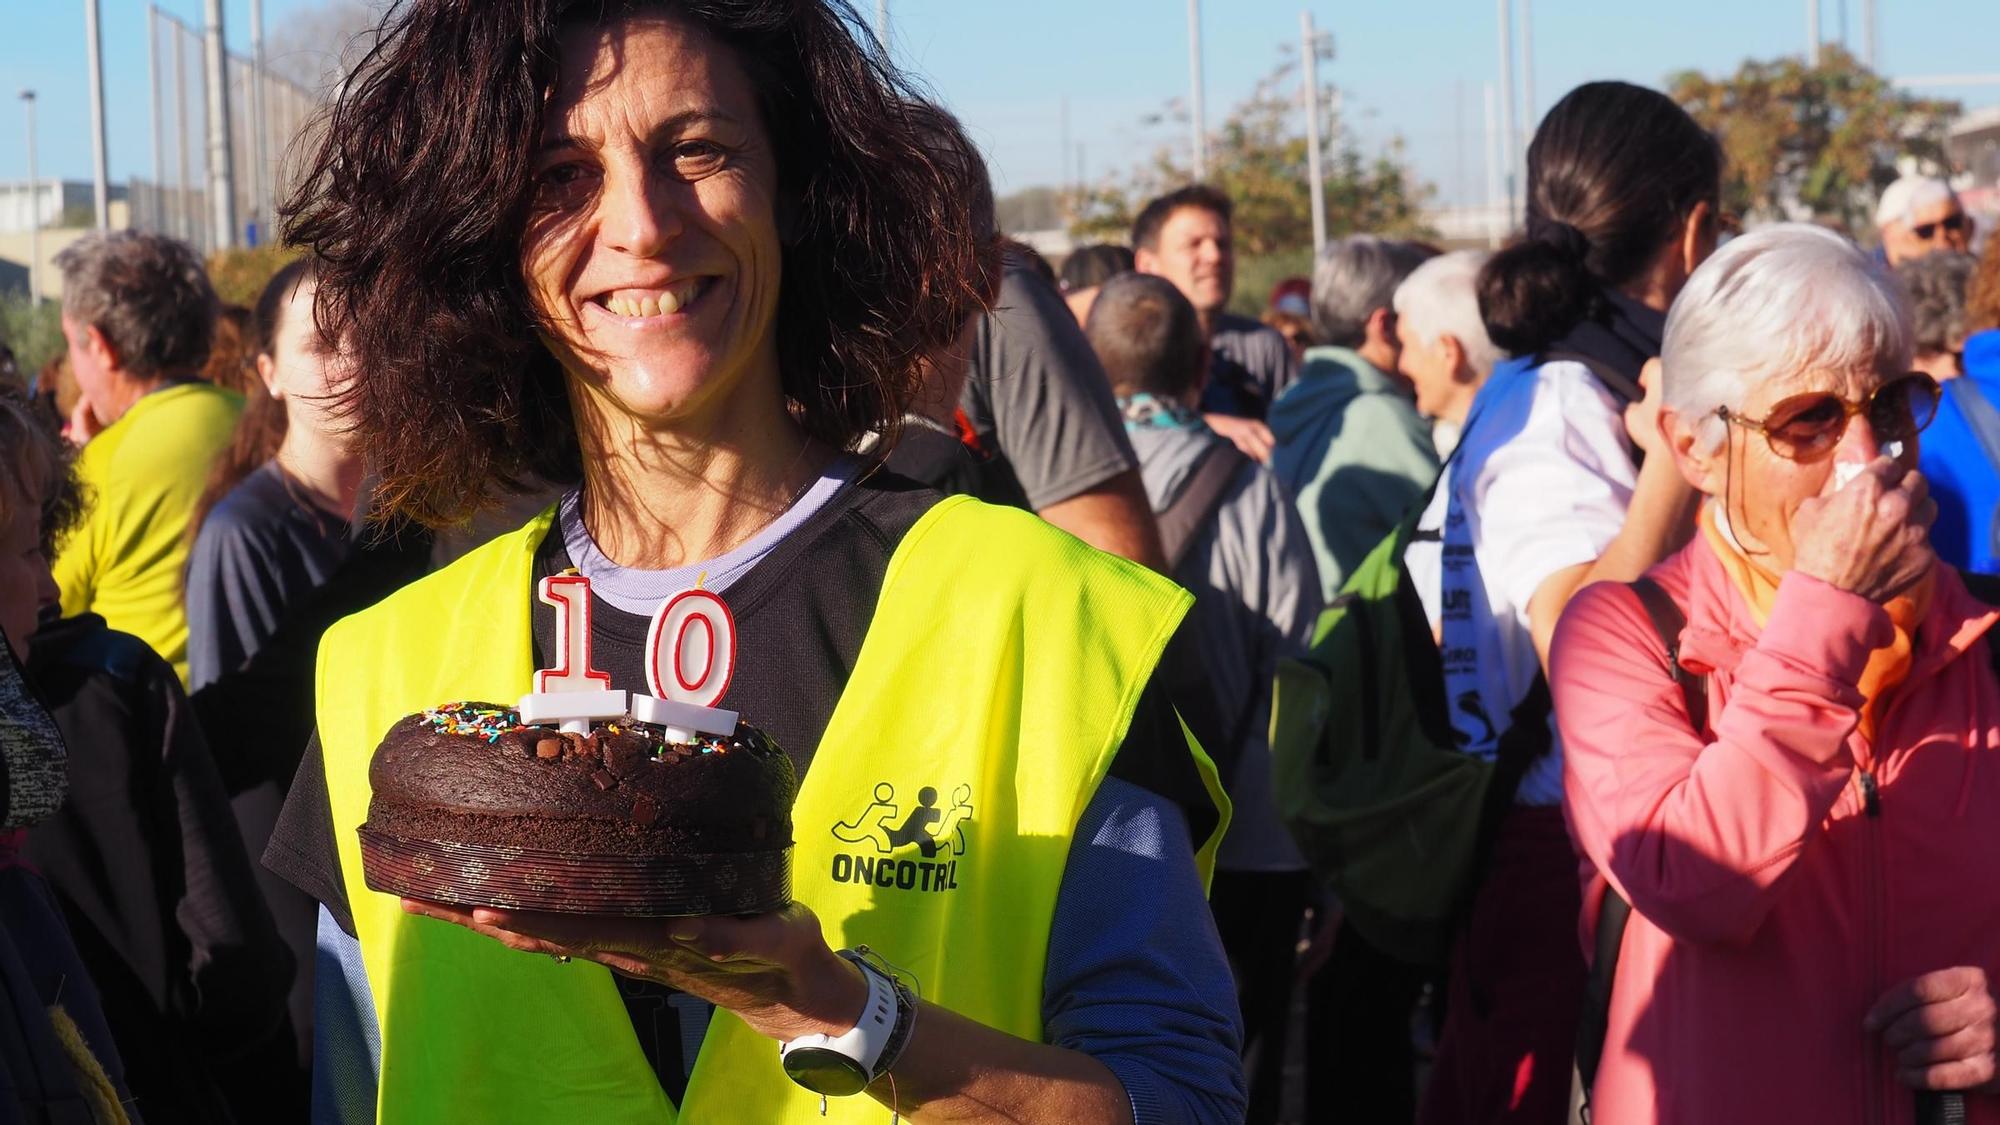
<point x="1858" y="442"/>
<point x="637" y="214"/>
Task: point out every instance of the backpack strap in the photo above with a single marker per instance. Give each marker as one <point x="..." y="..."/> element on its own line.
<point x="1622" y="386"/>
<point x="1189" y="512"/>
<point x="1614" y="912"/>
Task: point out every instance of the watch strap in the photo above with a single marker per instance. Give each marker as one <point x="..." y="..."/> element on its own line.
<point x="867" y="1041"/>
<point x="899" y="1036"/>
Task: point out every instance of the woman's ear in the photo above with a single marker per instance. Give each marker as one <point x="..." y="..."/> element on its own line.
<point x="267" y="373"/>
<point x="1697" y="237"/>
<point x="1454" y="353"/>
<point x="1700" y="465"/>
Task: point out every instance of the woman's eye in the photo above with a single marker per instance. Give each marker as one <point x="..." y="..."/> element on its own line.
<point x="559" y="180"/>
<point x="693" y="159"/>
<point x="1812" y="416"/>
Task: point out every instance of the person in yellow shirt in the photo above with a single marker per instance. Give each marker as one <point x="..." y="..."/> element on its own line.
<point x="138" y="315"/>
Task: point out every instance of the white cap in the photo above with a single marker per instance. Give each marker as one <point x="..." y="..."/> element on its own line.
<point x="1907" y="196"/>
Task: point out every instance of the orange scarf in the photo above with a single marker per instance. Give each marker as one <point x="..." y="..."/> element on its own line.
<point x="1886" y="666"/>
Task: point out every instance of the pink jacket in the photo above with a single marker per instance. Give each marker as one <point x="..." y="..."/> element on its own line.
<point x="1771" y="907"/>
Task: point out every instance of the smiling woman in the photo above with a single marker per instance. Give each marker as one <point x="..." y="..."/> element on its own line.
<point x="497" y="200"/>
<point x="681" y="259"/>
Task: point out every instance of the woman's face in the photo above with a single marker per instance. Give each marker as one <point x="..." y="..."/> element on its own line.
<point x="652" y="253"/>
<point x="1763" y="489"/>
<point x="302" y="368"/>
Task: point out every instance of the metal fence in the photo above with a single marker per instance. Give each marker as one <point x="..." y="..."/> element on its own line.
<point x="267" y="115"/>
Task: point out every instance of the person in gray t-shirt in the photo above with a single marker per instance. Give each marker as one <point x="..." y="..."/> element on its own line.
<point x="1036" y="399"/>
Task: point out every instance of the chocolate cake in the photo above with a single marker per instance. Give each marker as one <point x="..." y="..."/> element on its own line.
<point x="472" y="806"/>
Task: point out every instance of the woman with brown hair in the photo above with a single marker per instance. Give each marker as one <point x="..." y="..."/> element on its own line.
<point x="274" y="521"/>
<point x="683" y="258"/>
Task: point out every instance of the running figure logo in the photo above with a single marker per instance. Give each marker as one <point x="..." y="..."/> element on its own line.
<point x="933" y="830"/>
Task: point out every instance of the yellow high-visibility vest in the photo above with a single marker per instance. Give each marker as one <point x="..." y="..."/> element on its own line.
<point x="995" y="684"/>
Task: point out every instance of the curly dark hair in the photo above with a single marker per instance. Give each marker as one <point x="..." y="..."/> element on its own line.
<point x="1935" y="285"/>
<point x="35" y="462"/>
<point x="416" y="197"/>
<point x="147" y="293"/>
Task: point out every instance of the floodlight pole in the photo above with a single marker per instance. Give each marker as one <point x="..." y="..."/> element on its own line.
<point x="1195" y="122"/>
<point x="1528" y="117"/>
<point x="158" y="210"/>
<point x="221" y="178"/>
<point x="34" y="209"/>
<point x="1508" y="147"/>
<point x="1494" y="196"/>
<point x="1315" y="179"/>
<point x="101" y="180"/>
<point x="260" y="169"/>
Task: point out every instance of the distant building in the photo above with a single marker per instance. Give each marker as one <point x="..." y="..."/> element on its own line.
<point x="43" y="219"/>
<point x="1974" y="146"/>
<point x="22" y="207"/>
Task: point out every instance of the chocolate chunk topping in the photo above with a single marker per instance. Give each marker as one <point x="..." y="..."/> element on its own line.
<point x="604" y="779"/>
<point x="624" y="757"/>
<point x="644" y="811"/>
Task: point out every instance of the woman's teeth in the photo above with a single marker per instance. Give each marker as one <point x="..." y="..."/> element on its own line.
<point x="666" y="302"/>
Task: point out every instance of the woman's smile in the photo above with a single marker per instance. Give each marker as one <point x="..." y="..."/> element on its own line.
<point x="636" y="309"/>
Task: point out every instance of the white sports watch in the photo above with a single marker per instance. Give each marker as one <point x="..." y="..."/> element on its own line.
<point x="845" y="1064"/>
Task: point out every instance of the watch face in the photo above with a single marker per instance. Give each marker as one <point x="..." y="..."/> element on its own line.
<point x="825" y="1071"/>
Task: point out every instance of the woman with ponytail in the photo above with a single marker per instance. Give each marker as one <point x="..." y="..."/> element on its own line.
<point x="273" y="524"/>
<point x="1561" y="480"/>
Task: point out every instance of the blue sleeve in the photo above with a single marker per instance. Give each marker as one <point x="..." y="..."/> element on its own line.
<point x="1136" y="977"/>
<point x="347" y="1046"/>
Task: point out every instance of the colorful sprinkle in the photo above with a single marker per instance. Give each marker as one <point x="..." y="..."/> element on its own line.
<point x="472" y="721"/>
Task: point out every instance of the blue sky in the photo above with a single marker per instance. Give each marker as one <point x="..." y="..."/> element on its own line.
<point x="1405" y="66"/>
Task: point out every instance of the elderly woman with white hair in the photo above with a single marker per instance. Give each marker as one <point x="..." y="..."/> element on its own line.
<point x="1781" y="743"/>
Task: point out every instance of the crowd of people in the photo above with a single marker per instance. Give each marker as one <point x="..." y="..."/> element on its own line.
<point x="1556" y="679"/>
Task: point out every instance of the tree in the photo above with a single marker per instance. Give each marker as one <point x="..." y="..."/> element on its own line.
<point x="1800" y="141"/>
<point x="1035" y="208"/>
<point x="316" y="46"/>
<point x="1258" y="158"/>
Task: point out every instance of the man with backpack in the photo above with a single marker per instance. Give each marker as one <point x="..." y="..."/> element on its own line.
<point x="1352" y="449"/>
<point x="1233" y="539"/>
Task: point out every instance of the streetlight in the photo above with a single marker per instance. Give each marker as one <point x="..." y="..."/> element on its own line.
<point x="1310" y="43"/>
<point x="1195" y="122"/>
<point x="34" y="210"/>
<point x="100" y="189"/>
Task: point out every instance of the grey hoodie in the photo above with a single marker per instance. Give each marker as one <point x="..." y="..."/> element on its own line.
<point x="1257" y="597"/>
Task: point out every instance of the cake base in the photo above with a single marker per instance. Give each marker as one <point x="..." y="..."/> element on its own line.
<point x="519" y="878"/>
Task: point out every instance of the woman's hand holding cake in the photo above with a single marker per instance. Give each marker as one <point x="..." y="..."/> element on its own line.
<point x="774" y="971"/>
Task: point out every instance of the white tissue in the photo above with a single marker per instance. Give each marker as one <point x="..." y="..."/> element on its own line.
<point x="1847" y="470"/>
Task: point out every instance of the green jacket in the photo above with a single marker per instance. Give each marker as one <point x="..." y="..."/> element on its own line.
<point x="1353" y="453"/>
